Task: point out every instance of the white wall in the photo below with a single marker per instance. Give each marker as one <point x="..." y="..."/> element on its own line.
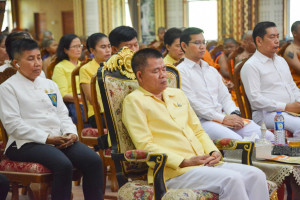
<point x="272" y="10"/>
<point x="175" y="13"/>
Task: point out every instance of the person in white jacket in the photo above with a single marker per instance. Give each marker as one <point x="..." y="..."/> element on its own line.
<point x="35" y="117"/>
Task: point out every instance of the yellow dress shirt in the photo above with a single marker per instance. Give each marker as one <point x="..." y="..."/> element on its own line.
<point x="86" y="74"/>
<point x="169" y="60"/>
<point x="62" y="77"/>
<point x="170" y="126"/>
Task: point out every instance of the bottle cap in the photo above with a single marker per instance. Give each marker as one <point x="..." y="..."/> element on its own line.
<point x="278" y="112"/>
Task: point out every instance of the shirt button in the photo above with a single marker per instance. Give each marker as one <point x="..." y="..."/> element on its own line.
<point x="190" y="140"/>
<point x="46" y="113"/>
<point x="182" y="127"/>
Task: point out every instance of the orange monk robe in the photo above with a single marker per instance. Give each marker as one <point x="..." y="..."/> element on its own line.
<point x="207" y="58"/>
<point x="295" y="75"/>
<point x="217" y="59"/>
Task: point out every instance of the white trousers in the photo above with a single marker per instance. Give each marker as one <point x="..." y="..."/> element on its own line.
<point x="217" y="131"/>
<point x="231" y="181"/>
<point x="291" y="123"/>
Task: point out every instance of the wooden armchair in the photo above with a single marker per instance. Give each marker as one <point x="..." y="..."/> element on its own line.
<point x="105" y="154"/>
<point x="243" y="103"/>
<point x="88" y="136"/>
<point x="116" y="80"/>
<point x="50" y="68"/>
<point x="231" y="62"/>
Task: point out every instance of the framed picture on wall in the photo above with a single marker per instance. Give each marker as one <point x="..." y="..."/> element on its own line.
<point x="147" y="21"/>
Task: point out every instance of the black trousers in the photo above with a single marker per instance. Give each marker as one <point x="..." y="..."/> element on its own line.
<point x="61" y="163"/>
<point x="92" y="121"/>
<point x="4" y="187"/>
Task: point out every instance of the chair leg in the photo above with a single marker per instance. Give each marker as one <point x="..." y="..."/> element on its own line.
<point x="15" y="191"/>
<point x="38" y="191"/>
<point x="114" y="183"/>
<point x="24" y="190"/>
<point x="77" y="183"/>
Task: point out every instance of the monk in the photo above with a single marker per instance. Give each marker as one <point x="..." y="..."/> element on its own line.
<point x="159" y="45"/>
<point x="249" y="47"/>
<point x="207" y="58"/>
<point x="292" y="53"/>
<point x="229" y="46"/>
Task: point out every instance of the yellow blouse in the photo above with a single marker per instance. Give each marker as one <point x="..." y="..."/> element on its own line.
<point x="169" y="60"/>
<point x="86" y="74"/>
<point x="62" y="77"/>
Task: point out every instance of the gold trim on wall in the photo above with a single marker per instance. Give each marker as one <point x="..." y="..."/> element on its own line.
<point x="185" y="18"/>
<point x="219" y="20"/>
<point x="139" y="21"/>
<point x="100" y="16"/>
<point x="78" y="17"/>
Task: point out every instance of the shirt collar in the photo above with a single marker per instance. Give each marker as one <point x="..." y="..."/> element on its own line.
<point x="165" y="92"/>
<point x="26" y="80"/>
<point x="262" y="57"/>
<point x="170" y="59"/>
<point x="191" y="63"/>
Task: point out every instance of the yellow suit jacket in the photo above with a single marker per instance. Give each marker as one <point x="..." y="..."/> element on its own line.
<point x="170" y="126"/>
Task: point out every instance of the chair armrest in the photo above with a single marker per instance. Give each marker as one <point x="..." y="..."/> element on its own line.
<point x="160" y="159"/>
<point x="232" y="144"/>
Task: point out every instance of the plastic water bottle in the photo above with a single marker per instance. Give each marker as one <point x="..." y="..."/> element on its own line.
<point x="279" y="128"/>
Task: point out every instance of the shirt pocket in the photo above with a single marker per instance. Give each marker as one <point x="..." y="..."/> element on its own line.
<point x="53" y="99"/>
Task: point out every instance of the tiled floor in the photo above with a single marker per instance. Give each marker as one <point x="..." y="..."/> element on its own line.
<point x="77" y="193"/>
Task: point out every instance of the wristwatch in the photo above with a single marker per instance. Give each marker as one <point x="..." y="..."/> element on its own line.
<point x="236" y="112"/>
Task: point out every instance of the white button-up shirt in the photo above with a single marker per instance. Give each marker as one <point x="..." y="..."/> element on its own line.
<point x="31" y="111"/>
<point x="268" y="83"/>
<point x="205" y="90"/>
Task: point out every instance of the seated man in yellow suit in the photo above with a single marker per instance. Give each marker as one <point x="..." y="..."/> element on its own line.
<point x="161" y="120"/>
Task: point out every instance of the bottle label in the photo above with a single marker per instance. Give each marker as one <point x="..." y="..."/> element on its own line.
<point x="279" y="126"/>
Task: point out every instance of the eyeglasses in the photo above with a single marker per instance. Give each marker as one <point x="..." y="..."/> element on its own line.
<point x="77" y="46"/>
<point x="198" y="42"/>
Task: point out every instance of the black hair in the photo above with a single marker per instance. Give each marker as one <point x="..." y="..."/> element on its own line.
<point x="13" y="37"/>
<point x="121" y="34"/>
<point x="161" y="29"/>
<point x="2" y="37"/>
<point x="24" y="44"/>
<point x="295" y="26"/>
<point x="171" y="35"/>
<point x="140" y="58"/>
<point x="186" y="35"/>
<point x="64" y="43"/>
<point x="260" y="30"/>
<point x="229" y="40"/>
<point x="93" y="40"/>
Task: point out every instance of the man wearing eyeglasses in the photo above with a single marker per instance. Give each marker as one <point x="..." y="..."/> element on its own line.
<point x="268" y="81"/>
<point x="208" y="95"/>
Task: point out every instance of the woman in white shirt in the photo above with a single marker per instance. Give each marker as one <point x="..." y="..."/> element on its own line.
<point x="34" y="115"/>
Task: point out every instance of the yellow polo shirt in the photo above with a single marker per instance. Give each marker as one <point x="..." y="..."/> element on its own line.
<point x="62" y="77"/>
<point x="169" y="60"/>
<point x="170" y="126"/>
<point x="86" y="74"/>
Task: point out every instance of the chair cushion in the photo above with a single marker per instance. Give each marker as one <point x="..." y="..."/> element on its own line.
<point x="89" y="132"/>
<point x="137" y="189"/>
<point x="136" y="155"/>
<point x="107" y="152"/>
<point x="25" y="167"/>
<point x="174" y="194"/>
<point x="225" y="143"/>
